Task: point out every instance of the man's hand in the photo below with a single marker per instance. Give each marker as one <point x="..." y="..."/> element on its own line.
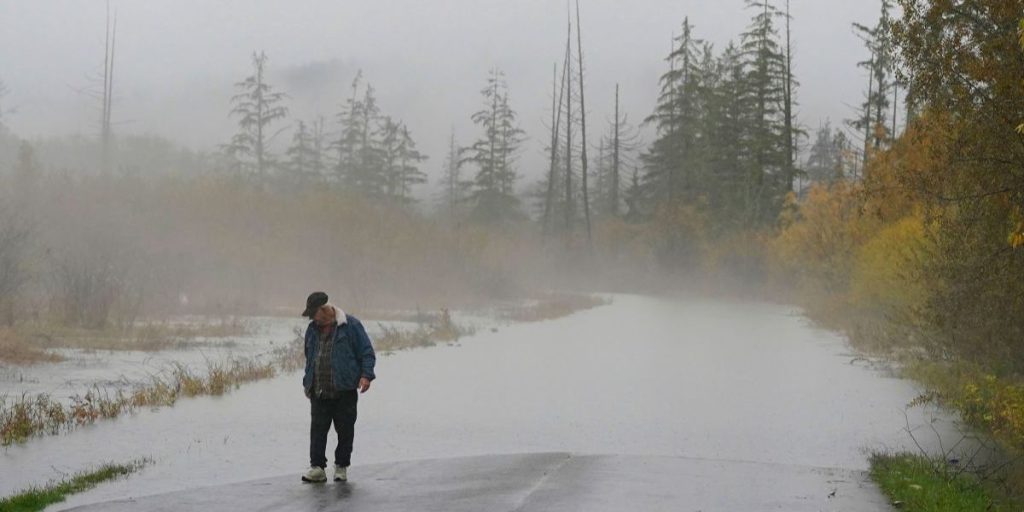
<point x="308" y="392"/>
<point x="364" y="384"/>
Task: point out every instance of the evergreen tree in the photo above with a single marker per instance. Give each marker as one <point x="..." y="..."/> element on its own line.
<point x="493" y="154"/>
<point x="873" y="117"/>
<point x="453" y="187"/>
<point x="257" y="107"/>
<point x="351" y="133"/>
<point x="727" y="132"/>
<point x="318" y="162"/>
<point x="400" y="161"/>
<point x="619" y="146"/>
<point x="845" y="161"/>
<point x="824" y="163"/>
<point x="367" y="172"/>
<point x="634" y="198"/>
<point x="375" y="154"/>
<point x="726" y="129"/>
<point x="766" y="75"/>
<point x="670" y="163"/>
<point x="305" y="155"/>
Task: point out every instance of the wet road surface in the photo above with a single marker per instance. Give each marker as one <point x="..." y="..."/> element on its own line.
<point x="683" y="377"/>
<point x="540" y="482"/>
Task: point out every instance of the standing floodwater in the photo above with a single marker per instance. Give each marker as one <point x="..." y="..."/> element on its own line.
<point x="646" y="376"/>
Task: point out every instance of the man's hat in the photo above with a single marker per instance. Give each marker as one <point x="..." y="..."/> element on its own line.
<point x="313" y="303"/>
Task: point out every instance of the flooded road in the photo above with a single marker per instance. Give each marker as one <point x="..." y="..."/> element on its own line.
<point x="642" y="376"/>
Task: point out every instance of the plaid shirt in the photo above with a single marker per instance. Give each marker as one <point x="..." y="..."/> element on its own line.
<point x="324" y="376"/>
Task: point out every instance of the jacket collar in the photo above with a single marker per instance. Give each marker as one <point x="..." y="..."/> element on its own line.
<point x="340" y="318"/>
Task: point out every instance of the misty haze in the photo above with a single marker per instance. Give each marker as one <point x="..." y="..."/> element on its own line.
<point x="505" y="256"/>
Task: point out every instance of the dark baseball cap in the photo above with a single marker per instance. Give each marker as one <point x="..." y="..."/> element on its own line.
<point x="313" y="303"/>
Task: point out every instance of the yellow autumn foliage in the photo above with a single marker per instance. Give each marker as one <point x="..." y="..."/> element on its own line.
<point x="816" y="251"/>
<point x="886" y="269"/>
<point x="1016" y="237"/>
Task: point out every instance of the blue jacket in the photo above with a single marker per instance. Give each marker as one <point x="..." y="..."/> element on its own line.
<point x="352" y="357"/>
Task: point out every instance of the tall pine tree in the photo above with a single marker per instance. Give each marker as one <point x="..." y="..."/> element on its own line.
<point x="400" y="160"/>
<point x="671" y="161"/>
<point x="257" y="106"/>
<point x="493" y="154"/>
<point x="765" y="88"/>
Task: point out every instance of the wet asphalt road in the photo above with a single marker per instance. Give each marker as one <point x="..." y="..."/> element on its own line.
<point x="699" y="382"/>
<point x="552" y="482"/>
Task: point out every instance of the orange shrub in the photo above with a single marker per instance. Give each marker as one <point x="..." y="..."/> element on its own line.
<point x="816" y="252"/>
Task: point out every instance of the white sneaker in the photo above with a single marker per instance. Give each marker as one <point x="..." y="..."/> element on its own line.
<point x="315" y="475"/>
<point x="340" y="474"/>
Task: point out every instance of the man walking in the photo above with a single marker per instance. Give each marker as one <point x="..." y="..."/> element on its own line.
<point x="339" y="361"/>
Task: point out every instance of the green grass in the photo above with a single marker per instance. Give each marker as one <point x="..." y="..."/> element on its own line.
<point x="918" y="484"/>
<point x="38" y="498"/>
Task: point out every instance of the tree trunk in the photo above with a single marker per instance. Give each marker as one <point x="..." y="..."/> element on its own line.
<point x="557" y="90"/>
<point x="867" y="116"/>
<point x="788" y="107"/>
<point x="260" y="106"/>
<point x="614" y="191"/>
<point x="568" y="135"/>
<point x="106" y="132"/>
<point x="583" y="125"/>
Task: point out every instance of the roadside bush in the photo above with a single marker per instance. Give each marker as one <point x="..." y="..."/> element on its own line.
<point x="818" y="250"/>
<point x="888" y="290"/>
<point x="816" y="253"/>
<point x="886" y="274"/>
<point x="984" y="400"/>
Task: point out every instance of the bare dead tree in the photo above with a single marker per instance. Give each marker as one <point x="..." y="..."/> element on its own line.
<point x="583" y="125"/>
<point x="616" y="157"/>
<point x="553" y="150"/>
<point x="895" y="105"/>
<point x="106" y="133"/>
<point x="568" y="134"/>
<point x="556" y="117"/>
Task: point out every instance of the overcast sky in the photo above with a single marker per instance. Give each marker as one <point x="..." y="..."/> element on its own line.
<point x="177" y="59"/>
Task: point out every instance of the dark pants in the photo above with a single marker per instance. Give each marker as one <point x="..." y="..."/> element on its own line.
<point x="340" y="411"/>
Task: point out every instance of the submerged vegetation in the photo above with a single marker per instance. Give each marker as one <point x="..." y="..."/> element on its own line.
<point x="28" y="416"/>
<point x="37" y="499"/>
<point x="439" y="329"/>
<point x="553" y="306"/>
<point x="30" y="343"/>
